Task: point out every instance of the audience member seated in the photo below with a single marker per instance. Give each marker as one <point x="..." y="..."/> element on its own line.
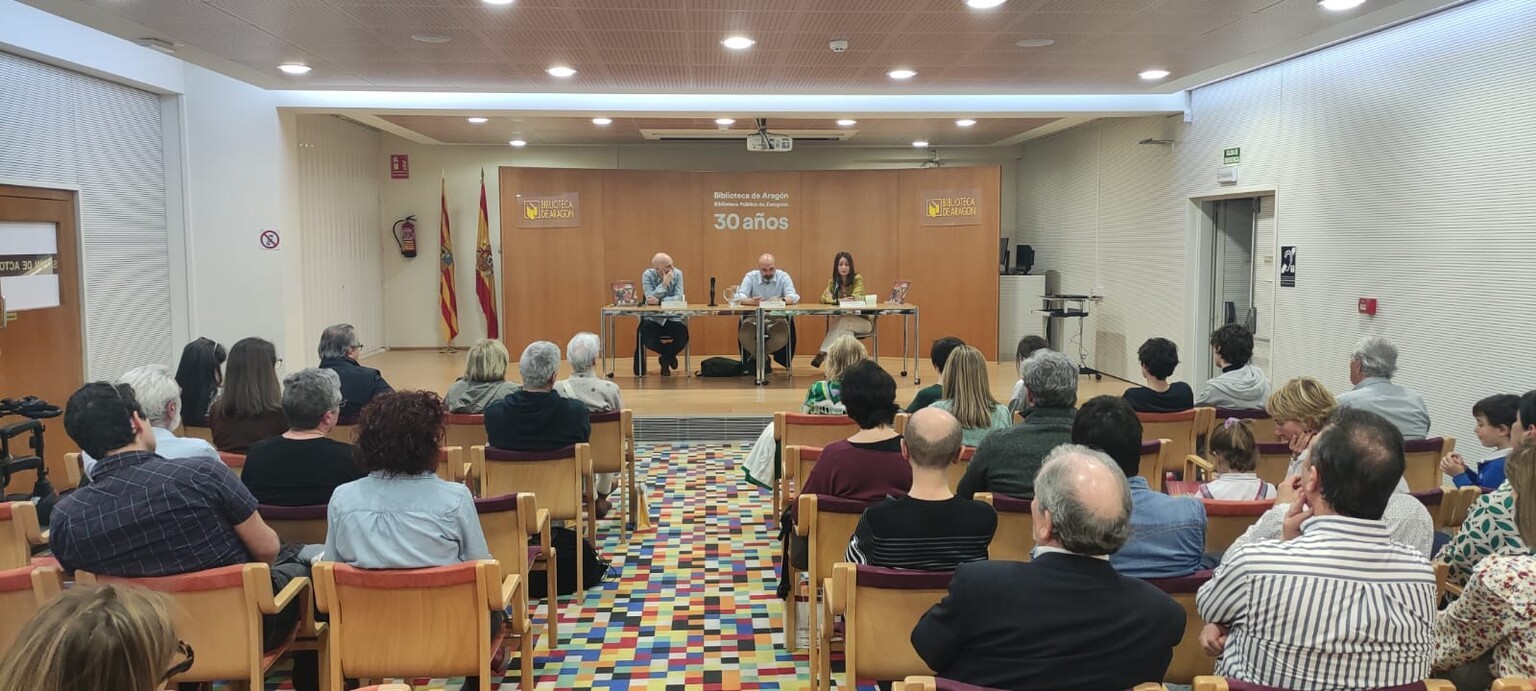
<point x="250" y="407"/>
<point x="1337" y="602"/>
<point x="160" y="399"/>
<point x="1006" y="461"/>
<point x="1490" y="528"/>
<point x="1235" y="453"/>
<point x="1490" y="631"/>
<point x="867" y="466"/>
<point x="1370" y="369"/>
<point x="536" y="418"/>
<point x="1159" y="356"/>
<point x="930" y="529"/>
<point x="598" y="395"/>
<point x="1240" y="386"/>
<point x="402" y="515"/>
<point x="97" y="638"/>
<point x="1525" y="419"/>
<point x="968" y="396"/>
<point x="662" y="282"/>
<point x="302" y="467"/>
<point x="339" y="349"/>
<point x="1017" y="401"/>
<point x="1299" y="409"/>
<point x="1066" y="620"/>
<point x="1167" y="533"/>
<point x="199" y="374"/>
<point x="484" y="381"/>
<point x="938" y="354"/>
<point x="1405" y="516"/>
<point x="145" y="515"/>
<point x="1495" y="417"/>
<point x="825" y="396"/>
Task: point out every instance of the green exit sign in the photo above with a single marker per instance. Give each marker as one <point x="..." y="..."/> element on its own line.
<point x="1232" y="156"/>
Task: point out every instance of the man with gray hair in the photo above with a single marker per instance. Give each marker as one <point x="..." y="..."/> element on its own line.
<point x="1051" y="623"/>
<point x="1008" y="459"/>
<point x="537" y="418"/>
<point x="1371" y="367"/>
<point x="339" y="349"/>
<point x="159" y="395"/>
<point x="661" y="282"/>
<point x="303" y="466"/>
<point x="929" y="529"/>
<point x="597" y="394"/>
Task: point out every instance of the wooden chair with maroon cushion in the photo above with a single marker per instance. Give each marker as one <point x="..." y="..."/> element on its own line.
<point x="508" y="521"/>
<point x="1274" y="462"/>
<point x="1453" y="510"/>
<point x="74" y="469"/>
<point x="235" y="461"/>
<point x="433" y="622"/>
<point x="956" y="470"/>
<point x="1512" y="684"/>
<point x="804" y="429"/>
<point x="557" y="478"/>
<point x="798" y="462"/>
<point x="346" y="434"/>
<point x="23" y="592"/>
<point x="1259" y="422"/>
<point x="19" y="533"/>
<point x="940" y="684"/>
<point x="879" y="607"/>
<point x="1015" y="536"/>
<point x="827" y="524"/>
<point x="203" y="433"/>
<point x="1181" y="429"/>
<point x="219" y="612"/>
<point x="450" y="463"/>
<point x="1189" y="659"/>
<point x="1432" y="499"/>
<point x="613" y="451"/>
<point x="464" y="430"/>
<point x="1213" y="683"/>
<point x="1156" y="459"/>
<point x="1225" y="521"/>
<point x="305" y="525"/>
<point x="1422" y="461"/>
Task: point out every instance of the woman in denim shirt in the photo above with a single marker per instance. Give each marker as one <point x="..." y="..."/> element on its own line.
<point x="402" y="516"/>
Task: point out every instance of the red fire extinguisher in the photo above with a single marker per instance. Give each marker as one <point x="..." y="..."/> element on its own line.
<point x="405" y="235"/>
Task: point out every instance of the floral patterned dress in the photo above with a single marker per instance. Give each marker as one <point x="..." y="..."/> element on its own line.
<point x="1496" y="612"/>
<point x="1488" y="530"/>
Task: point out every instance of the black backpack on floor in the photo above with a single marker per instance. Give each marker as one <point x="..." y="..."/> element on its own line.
<point x="722" y="367"/>
<point x="595" y="567"/>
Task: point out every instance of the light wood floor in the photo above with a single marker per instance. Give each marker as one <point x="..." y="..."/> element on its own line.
<point x="686" y="395"/>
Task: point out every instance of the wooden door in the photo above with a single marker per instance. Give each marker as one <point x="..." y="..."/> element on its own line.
<point x="42" y="351"/>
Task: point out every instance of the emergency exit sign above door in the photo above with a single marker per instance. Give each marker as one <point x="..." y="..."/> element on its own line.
<point x="1232" y="156"/>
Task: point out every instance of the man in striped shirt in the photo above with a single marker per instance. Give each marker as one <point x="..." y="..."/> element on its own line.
<point x="1335" y="603"/>
<point x="930" y="529"/>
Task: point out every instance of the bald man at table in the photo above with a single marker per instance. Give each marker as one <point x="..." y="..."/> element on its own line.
<point x="662" y="281"/>
<point x="766" y="283"/>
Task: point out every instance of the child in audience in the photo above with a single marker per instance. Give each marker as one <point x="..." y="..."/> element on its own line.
<point x="1236" y="455"/>
<point x="1495" y="417"/>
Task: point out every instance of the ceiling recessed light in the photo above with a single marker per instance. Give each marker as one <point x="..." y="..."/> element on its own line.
<point x="984" y="4"/>
<point x="1033" y="43"/>
<point x="497" y="2"/>
<point x="738" y="42"/>
<point x="294" y="68"/>
<point x="560" y="71"/>
<point x="847" y="123"/>
<point x="1340" y="5"/>
<point x="724" y="121"/>
<point x="431" y="38"/>
<point x="901" y="74"/>
<point x="1153" y="74"/>
<point x="965" y="122"/>
<point x="602" y="121"/>
<point x="518" y="142"/>
<point x="921" y="143"/>
<point x="478" y="121"/>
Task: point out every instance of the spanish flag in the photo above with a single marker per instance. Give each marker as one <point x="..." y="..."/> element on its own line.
<point x="485" y="268"/>
<point x="448" y="301"/>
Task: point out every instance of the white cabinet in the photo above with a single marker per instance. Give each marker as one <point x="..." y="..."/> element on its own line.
<point x="1018" y="299"/>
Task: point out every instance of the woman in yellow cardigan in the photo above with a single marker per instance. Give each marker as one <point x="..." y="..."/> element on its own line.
<point x="845" y="283"/>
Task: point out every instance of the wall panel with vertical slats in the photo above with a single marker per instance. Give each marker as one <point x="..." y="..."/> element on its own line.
<point x="341" y="235"/>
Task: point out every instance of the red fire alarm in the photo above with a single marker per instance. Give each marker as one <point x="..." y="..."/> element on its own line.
<point x="1368" y="306"/>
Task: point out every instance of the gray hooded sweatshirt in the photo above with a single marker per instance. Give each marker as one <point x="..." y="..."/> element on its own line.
<point x="1245" y="388"/>
<point x="465" y="396"/>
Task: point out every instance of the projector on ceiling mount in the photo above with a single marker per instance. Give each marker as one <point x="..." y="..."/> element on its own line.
<point x="769" y="142"/>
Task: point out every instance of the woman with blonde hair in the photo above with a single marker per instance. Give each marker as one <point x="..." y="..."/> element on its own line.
<point x="485" y="378"/>
<point x="825" y="397"/>
<point x="968" y="396"/>
<point x="1300" y="409"/>
<point x="97" y="638"/>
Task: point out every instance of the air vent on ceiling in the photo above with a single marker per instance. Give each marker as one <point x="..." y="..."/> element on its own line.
<point x="738" y="134"/>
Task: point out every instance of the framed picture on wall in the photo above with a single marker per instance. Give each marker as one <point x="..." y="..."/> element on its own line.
<point x="623" y="293"/>
<point x="899" y="292"/>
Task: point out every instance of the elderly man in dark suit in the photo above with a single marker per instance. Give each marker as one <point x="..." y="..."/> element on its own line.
<point x="1067" y="619"/>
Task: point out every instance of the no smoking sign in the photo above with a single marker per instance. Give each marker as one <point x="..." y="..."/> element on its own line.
<point x="269" y="239"/>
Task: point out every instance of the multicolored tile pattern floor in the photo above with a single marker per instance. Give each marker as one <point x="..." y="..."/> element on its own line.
<point x="689" y="605"/>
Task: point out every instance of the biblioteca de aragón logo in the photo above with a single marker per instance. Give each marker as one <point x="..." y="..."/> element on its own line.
<point x="949" y="207"/>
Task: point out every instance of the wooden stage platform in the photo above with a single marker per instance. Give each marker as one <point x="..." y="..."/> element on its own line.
<point x="678" y="395"/>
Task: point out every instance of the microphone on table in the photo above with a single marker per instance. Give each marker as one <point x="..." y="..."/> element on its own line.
<point x="712" y="292"/>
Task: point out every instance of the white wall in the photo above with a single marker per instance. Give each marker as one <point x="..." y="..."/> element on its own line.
<point x="339" y="204"/>
<point x="410" y="285"/>
<point x="1404" y="169"/>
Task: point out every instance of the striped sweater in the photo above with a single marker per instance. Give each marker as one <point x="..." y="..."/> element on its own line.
<point x="923" y="535"/>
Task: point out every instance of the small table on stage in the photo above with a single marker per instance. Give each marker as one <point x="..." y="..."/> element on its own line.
<point x="911" y="324"/>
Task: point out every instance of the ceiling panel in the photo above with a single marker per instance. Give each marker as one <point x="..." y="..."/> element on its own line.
<point x="566" y="131"/>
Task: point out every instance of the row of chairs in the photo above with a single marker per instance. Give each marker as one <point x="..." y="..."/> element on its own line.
<point x="1206" y="683"/>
